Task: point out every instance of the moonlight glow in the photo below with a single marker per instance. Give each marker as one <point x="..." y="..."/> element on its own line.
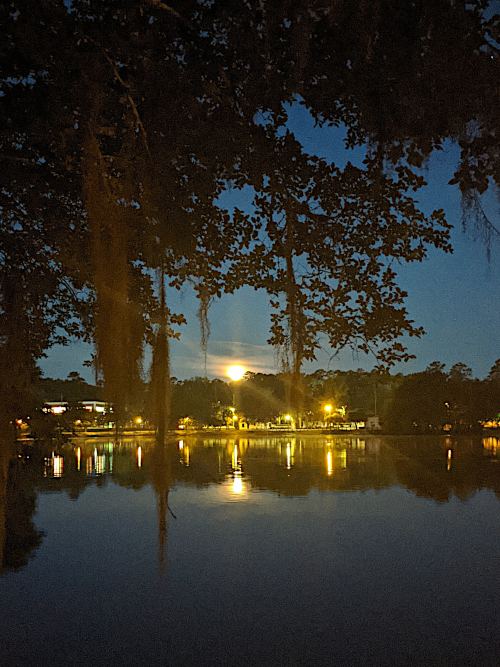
<point x="236" y="372"/>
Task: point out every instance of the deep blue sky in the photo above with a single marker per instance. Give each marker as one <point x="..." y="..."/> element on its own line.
<point x="454" y="297"/>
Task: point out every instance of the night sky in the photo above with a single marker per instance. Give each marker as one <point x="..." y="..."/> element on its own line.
<point x="454" y="297"/>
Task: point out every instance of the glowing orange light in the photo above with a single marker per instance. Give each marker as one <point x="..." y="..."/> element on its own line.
<point x="58" y="463"/>
<point x="236" y="372"/>
<point x="329" y="463"/>
<point x="237" y="484"/>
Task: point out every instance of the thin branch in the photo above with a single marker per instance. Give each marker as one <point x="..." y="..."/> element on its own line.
<point x="171" y="10"/>
<point x="25" y="160"/>
<point x="70" y="288"/>
<point x="472" y="204"/>
<point x="472" y="211"/>
<point x="131" y="101"/>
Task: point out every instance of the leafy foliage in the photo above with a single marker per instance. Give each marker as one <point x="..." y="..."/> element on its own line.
<point x="435" y="400"/>
<point x="125" y="121"/>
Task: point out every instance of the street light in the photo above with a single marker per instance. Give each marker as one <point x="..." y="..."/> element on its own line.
<point x="236" y="373"/>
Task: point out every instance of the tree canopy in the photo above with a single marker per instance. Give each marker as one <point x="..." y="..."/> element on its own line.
<point x="124" y="122"/>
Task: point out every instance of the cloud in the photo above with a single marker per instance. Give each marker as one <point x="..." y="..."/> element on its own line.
<point x="188" y="359"/>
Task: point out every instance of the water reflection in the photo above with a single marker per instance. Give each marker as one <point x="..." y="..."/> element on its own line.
<point x="19" y="538"/>
<point x="53" y="466"/>
<point x="437" y="468"/>
<point x="491" y="446"/>
<point x="329" y="463"/>
<point x="443" y="468"/>
<point x="433" y="468"/>
<point x="162" y="457"/>
<point x="292" y="575"/>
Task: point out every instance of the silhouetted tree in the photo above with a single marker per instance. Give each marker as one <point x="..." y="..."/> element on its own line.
<point x="200" y="399"/>
<point x="262" y="396"/>
<point x="125" y="121"/>
<point x="330" y="238"/>
<point x="433" y="400"/>
<point x="419" y="404"/>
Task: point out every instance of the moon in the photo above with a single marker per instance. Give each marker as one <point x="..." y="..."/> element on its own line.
<point x="236" y="372"/>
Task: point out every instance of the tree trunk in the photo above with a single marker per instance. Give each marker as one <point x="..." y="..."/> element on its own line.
<point x="295" y="324"/>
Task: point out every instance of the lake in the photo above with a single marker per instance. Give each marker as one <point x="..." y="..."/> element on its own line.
<point x="273" y="551"/>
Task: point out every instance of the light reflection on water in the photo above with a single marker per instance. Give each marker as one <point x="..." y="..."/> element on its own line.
<point x="234" y="490"/>
<point x="290" y="465"/>
<point x="317" y="551"/>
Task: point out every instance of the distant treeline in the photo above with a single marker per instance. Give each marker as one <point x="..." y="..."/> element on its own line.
<point x="427" y="402"/>
<point x="436" y="400"/>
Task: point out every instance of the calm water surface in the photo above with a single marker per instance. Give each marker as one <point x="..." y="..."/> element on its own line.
<point x="252" y="551"/>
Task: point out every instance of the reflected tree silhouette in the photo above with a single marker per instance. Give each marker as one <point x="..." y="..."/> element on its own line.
<point x="18" y="536"/>
<point x="162" y="479"/>
<point x="419" y="464"/>
<point x="425" y="468"/>
<point x="5" y="457"/>
<point x="291" y="466"/>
